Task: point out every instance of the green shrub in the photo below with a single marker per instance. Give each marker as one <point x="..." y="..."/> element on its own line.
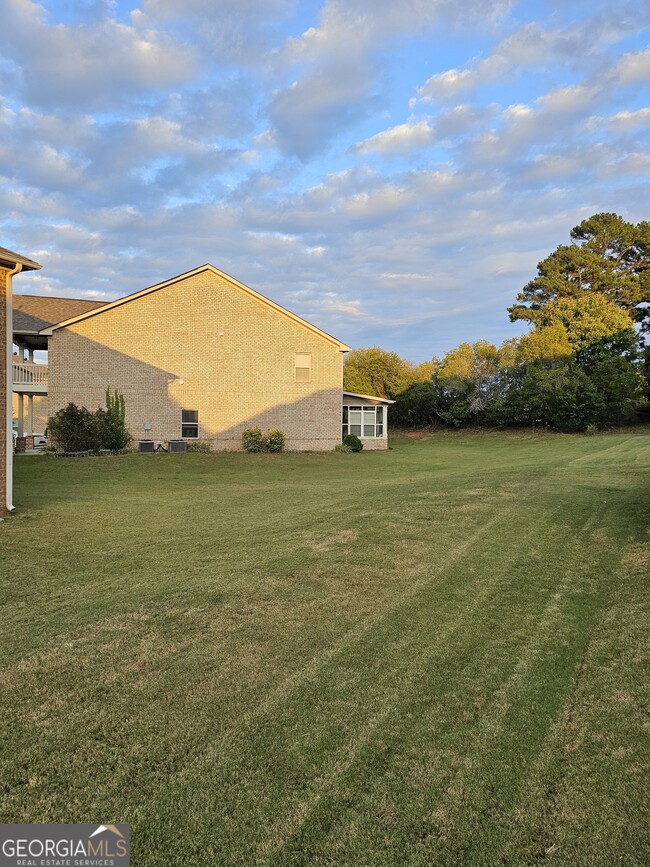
<point x="252" y="439"/>
<point x="352" y="442"/>
<point x="115" y="437"/>
<point x="76" y="429"/>
<point x="198" y="446"/>
<point x="274" y="440"/>
<point x="342" y="447"/>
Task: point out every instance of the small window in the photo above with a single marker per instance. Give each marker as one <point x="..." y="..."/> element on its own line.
<point x="190" y="423"/>
<point x="302" y="367"/>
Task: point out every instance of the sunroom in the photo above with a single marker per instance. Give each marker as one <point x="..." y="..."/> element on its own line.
<point x="366" y="416"/>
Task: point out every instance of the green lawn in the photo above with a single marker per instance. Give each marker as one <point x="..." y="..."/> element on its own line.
<point x="429" y="656"/>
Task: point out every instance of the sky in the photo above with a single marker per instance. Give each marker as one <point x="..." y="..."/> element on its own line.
<point x="390" y="170"/>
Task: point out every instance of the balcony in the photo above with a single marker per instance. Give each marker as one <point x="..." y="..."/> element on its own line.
<point x="29" y="378"/>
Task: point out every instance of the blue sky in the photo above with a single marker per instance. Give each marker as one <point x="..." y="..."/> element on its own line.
<point x="391" y="171"/>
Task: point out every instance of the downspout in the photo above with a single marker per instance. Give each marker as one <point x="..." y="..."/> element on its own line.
<point x="10" y="389"/>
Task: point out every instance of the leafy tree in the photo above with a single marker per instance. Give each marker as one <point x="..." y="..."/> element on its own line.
<point x="470" y="379"/>
<point x="474" y="361"/>
<point x="544" y="344"/>
<point x="558" y="395"/>
<point x="457" y="401"/>
<point x="424" y="371"/>
<point x="586" y="320"/>
<point x="569" y="325"/>
<point x="619" y="384"/>
<point x="416" y="406"/>
<point x="375" y="371"/>
<point x="608" y="256"/>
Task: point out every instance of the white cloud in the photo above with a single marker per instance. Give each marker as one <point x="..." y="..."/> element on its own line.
<point x="338" y="64"/>
<point x="535" y="47"/>
<point x="185" y="160"/>
<point x="634" y="68"/>
<point x="630" y="119"/>
<point x="399" y="139"/>
<point x="89" y="66"/>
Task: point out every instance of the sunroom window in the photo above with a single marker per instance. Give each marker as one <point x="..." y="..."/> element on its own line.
<point x="363" y="421"/>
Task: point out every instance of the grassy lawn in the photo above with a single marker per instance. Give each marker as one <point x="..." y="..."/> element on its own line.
<point x="430" y="656"/>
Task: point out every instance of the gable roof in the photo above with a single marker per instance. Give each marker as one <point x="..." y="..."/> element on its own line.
<point x="210" y="268"/>
<point x="33" y="313"/>
<point x="8" y="257"/>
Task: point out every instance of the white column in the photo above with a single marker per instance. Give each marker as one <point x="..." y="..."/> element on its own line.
<point x="9" y="486"/>
<point x="21" y="413"/>
<point x="30" y="354"/>
<point x="30" y="414"/>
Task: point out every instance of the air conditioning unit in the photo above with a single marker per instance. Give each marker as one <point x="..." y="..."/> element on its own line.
<point x="147" y="446"/>
<point x="176" y="446"/>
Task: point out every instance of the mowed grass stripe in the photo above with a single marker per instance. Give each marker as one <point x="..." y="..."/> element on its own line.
<point x="447" y="724"/>
<point x="598" y="749"/>
<point x="200" y="534"/>
<point x="621" y="454"/>
<point x="56" y="665"/>
<point x="419" y="741"/>
<point x="394" y="706"/>
<point x="412" y="637"/>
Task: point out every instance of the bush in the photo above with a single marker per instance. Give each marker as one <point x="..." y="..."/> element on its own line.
<point x="77" y="429"/>
<point x="352" y="442"/>
<point x="274" y="440"/>
<point x="252" y="439"/>
<point x="115" y="436"/>
<point x="342" y="447"/>
<point x="198" y="446"/>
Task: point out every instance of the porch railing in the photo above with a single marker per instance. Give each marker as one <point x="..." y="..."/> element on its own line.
<point x="26" y="373"/>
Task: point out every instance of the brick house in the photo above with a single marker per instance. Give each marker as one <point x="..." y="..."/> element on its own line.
<point x="32" y="314"/>
<point x="202" y="356"/>
<point x="10" y="265"/>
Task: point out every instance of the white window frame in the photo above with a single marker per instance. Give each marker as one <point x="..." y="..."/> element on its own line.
<point x="185" y="424"/>
<point x="366" y="410"/>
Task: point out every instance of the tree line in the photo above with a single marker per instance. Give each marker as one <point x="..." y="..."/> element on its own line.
<point x="583" y="364"/>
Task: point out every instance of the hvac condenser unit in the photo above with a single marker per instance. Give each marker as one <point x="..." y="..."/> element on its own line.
<point x="147" y="446"/>
<point x="177" y="446"/>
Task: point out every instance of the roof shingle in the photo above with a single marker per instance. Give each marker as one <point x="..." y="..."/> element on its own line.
<point x="34" y="312"/>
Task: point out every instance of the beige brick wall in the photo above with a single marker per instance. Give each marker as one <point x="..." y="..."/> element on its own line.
<point x="3" y="390"/>
<point x="202" y="343"/>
